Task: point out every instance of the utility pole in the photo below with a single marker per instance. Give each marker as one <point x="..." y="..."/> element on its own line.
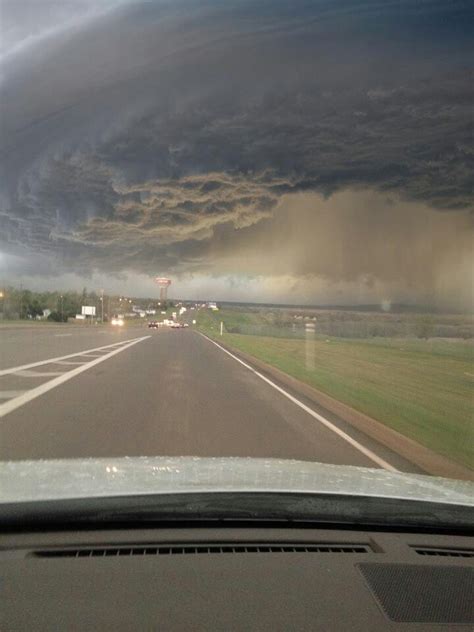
<point x="62" y="308"/>
<point x="102" y="305"/>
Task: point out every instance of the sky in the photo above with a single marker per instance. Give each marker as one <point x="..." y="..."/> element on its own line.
<point x="289" y="151"/>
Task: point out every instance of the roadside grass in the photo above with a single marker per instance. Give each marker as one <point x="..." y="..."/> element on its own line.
<point x="421" y="388"/>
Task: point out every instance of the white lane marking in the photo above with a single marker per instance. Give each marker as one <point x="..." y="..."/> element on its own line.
<point x="38" y="373"/>
<point x="10" y="394"/>
<point x="61" y="335"/>
<point x="67" y="362"/>
<point x="14" y="369"/>
<point x="15" y="403"/>
<point x="358" y="446"/>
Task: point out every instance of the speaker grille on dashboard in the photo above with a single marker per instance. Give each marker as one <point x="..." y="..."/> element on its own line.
<point x="422" y="594"/>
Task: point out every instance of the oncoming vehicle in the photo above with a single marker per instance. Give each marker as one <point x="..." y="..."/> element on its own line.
<point x="153" y="324"/>
<point x="117" y="321"/>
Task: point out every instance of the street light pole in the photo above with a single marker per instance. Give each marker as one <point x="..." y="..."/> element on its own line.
<point x="102" y="305"/>
<point x="62" y="308"/>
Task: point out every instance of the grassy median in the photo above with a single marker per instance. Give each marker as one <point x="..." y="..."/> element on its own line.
<point x="421" y="388"/>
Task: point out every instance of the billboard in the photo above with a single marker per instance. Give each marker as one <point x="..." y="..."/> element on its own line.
<point x="88" y="310"/>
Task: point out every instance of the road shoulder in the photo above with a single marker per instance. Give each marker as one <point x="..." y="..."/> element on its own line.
<point x="422" y="457"/>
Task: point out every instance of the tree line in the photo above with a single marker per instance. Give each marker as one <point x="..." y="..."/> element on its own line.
<point x="24" y="304"/>
<point x="27" y="304"/>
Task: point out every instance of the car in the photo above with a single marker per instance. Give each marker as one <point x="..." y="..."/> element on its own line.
<point x="153" y="324"/>
<point x="117" y="321"/>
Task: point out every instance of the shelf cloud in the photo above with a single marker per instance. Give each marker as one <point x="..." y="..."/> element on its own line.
<point x="191" y="138"/>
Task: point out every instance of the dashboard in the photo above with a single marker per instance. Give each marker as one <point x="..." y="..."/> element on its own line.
<point x="235" y="578"/>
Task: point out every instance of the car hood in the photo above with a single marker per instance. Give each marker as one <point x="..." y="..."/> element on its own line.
<point x="46" y="480"/>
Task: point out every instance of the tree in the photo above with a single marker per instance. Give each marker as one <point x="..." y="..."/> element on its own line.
<point x="34" y="308"/>
<point x="57" y="317"/>
<point x="71" y="304"/>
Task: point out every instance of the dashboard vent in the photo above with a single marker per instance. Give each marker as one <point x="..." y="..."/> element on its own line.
<point x="442" y="552"/>
<point x="190" y="549"/>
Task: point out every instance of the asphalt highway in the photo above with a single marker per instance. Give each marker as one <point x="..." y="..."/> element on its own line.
<point x="102" y="392"/>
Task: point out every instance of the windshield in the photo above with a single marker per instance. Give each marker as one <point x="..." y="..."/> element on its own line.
<point x="237" y="229"/>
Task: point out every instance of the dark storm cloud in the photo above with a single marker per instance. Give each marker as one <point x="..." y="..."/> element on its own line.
<point x="130" y="140"/>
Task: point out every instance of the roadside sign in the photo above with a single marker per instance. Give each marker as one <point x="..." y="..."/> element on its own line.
<point x="88" y="310"/>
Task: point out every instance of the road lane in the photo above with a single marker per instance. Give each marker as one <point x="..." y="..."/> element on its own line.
<point x="173" y="394"/>
<point x="377" y="460"/>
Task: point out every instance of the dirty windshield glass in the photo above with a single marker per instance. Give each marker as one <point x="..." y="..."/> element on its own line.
<point x="238" y="229"/>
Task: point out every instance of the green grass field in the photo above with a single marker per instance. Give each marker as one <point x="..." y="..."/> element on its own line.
<point x="421" y="388"/>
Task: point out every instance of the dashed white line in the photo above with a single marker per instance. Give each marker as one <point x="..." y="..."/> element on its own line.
<point x="67" y="362"/>
<point x="61" y="335"/>
<point x="355" y="444"/>
<point x="33" y="393"/>
<point x="27" y="373"/>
